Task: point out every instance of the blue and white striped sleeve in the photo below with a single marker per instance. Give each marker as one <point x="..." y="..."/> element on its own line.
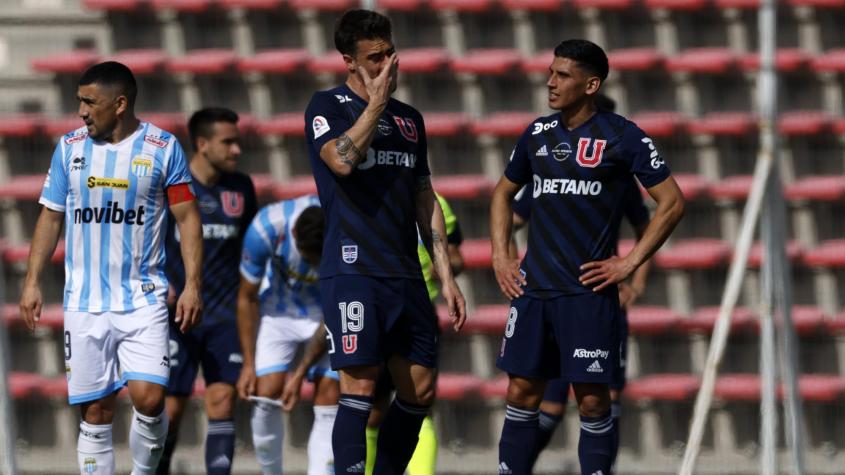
<point x="258" y="247"/>
<point x="54" y="192"/>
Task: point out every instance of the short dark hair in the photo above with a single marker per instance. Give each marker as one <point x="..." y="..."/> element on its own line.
<point x="587" y="54"/>
<point x="112" y="74"/>
<point x="356" y="25"/>
<point x="604" y="102"/>
<point x="202" y="121"/>
<point x="308" y="230"/>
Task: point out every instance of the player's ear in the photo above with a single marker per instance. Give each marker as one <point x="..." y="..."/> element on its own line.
<point x="351" y="66"/>
<point x="593" y="84"/>
<point x="121" y="104"/>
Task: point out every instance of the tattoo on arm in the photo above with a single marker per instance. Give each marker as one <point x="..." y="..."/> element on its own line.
<point x="423" y="183"/>
<point x="436" y="237"/>
<point x="348" y="152"/>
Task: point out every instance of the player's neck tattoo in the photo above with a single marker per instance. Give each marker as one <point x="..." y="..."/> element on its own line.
<point x="348" y="152"/>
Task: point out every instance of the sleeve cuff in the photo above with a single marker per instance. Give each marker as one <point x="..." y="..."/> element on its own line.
<point x="251" y="278"/>
<point x="51" y="205"/>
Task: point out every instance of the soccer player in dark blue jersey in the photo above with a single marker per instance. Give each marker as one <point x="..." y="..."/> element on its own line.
<point x="227" y="205"/>
<point x="563" y="320"/>
<point x="369" y="158"/>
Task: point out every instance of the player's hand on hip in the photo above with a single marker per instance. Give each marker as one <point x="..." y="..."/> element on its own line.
<point x="30" y="305"/>
<point x="456" y="303"/>
<point x="246" y="382"/>
<point x="291" y="391"/>
<point x="508" y="276"/>
<point x="188" y="308"/>
<point x="600" y="274"/>
<point x="378" y="88"/>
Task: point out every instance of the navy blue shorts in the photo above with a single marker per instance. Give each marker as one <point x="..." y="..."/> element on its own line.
<point x="557" y="390"/>
<point x="372" y="318"/>
<point x="574" y="337"/>
<point x="216" y="347"/>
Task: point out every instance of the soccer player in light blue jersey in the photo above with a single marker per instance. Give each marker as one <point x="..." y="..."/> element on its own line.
<point x="110" y="184"/>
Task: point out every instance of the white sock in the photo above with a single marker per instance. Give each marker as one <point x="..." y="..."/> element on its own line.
<point x="267" y="435"/>
<point x="94" y="450"/>
<point x="320" y="455"/>
<point x="146" y="441"/>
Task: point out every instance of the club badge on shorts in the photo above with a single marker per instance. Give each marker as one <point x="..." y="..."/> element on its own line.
<point x="349" y="253"/>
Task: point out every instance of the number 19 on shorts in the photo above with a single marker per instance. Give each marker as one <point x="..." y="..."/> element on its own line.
<point x="351" y="321"/>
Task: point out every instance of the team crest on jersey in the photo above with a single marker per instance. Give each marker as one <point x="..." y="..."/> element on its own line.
<point x="349" y="253"/>
<point x="384" y="127"/>
<point x="320" y="126"/>
<point x="407" y="128"/>
<point x="72" y="139"/>
<point x="159" y="142"/>
<point x="350" y="343"/>
<point x="584" y="158"/>
<point x="89" y="465"/>
<point x="562" y="151"/>
<point x="233" y="203"/>
<point x="141" y="166"/>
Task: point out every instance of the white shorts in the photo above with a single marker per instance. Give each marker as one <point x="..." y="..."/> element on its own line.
<point x="279" y="339"/>
<point x="104" y="350"/>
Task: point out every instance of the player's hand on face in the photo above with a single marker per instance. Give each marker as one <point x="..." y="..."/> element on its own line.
<point x="246" y="382"/>
<point x="456" y="303"/>
<point x="378" y="88"/>
<point x="627" y="295"/>
<point x="188" y="308"/>
<point x="600" y="274"/>
<point x="30" y="305"/>
<point x="509" y="277"/>
<point x="291" y="391"/>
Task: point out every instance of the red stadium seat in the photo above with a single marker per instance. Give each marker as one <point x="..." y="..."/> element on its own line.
<point x="635" y="59"/>
<point x="203" y="61"/>
<point x="495" y="388"/>
<point x="52" y="316"/>
<point x="821" y="387"/>
<point x="69" y="62"/>
<point x="113" y="5"/>
<point x="831" y="61"/>
<point x="839" y="126"/>
<point x="19" y="125"/>
<point x="472" y="6"/>
<point x="331" y="62"/>
<point x="738" y="387"/>
<point x="323" y="5"/>
<point x="400" y="5"/>
<point x="277" y="61"/>
<point x="686" y="5"/>
<point x="23" y="187"/>
<point x="55" y="387"/>
<point x="296" y="186"/>
<point x="786" y="59"/>
<point x="703" y="60"/>
<point x="812" y="387"/>
<point x="663" y="387"/>
<point x="477" y="253"/>
<point x="538" y="63"/>
<point x="828" y="254"/>
<point x="288" y="123"/>
<point x="445" y="124"/>
<point x="56" y="126"/>
<point x="693" y="186"/>
<point x="20" y="253"/>
<point x="265" y="185"/>
<point x="803" y="122"/>
<point x="698" y="253"/>
<point x="625" y="246"/>
<point x="506" y="124"/>
<point x="731" y="188"/>
<point x="817" y="188"/>
<point x="488" y="319"/>
<point x="173" y="122"/>
<point x="604" y="4"/>
<point x="533" y="5"/>
<point x="251" y="4"/>
<point x="25" y="385"/>
<point x="423" y="60"/>
<point x="458" y="387"/>
<point x="819" y="3"/>
<point x="463" y="187"/>
<point x="141" y="61"/>
<point x="748" y="4"/>
<point x="660" y="124"/>
<point x="704" y="319"/>
<point x="807" y="319"/>
<point x="836" y="325"/>
<point x="188" y="6"/>
<point x="733" y="124"/>
<point x="794" y="252"/>
<point x="487" y="61"/>
<point x="645" y="320"/>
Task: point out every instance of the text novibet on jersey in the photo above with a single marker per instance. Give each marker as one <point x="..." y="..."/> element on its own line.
<point x="112" y="213"/>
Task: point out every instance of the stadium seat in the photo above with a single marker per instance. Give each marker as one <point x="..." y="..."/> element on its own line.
<point x="265" y="186"/>
<point x="828" y="254"/>
<point x="56" y="126"/>
<point x="277" y="61"/>
<point x="506" y="124"/>
<point x="495" y="388"/>
<point x="836" y="325"/>
<point x="693" y="186"/>
<point x="734" y="124"/>
<point x="175" y="122"/>
<point x="323" y="5"/>
<point x="251" y="4"/>
<point x="738" y="387"/>
<point x="538" y="63"/>
<point x="660" y="124"/>
<point x="604" y="4"/>
<point x="289" y="123"/>
<point x="839" y="126"/>
<point x="649" y="320"/>
<point x="487" y="320"/>
<point x="731" y="188"/>
<point x="821" y="387"/>
<point x="296" y="186"/>
<point x="487" y="61"/>
<point x="400" y="5"/>
<point x="187" y="6"/>
<point x="697" y="253"/>
<point x="331" y="62"/>
<point x="477" y="253"/>
<point x="445" y="124"/>
<point x="69" y="62"/>
<point x="457" y="386"/>
<point x="794" y="252"/>
<point x="812" y="387"/>
<point x="703" y="60"/>
<point x="635" y="59"/>
<point x="140" y="61"/>
<point x="818" y="3"/>
<point x="744" y="4"/>
<point x="703" y="320"/>
<point x="23" y="187"/>
<point x="685" y="5"/>
<point x="662" y="387"/>
<point x="817" y="188"/>
<point x="20" y="253"/>
<point x="203" y="61"/>
<point x="19" y="125"/>
<point x="423" y="60"/>
<point x="52" y="316"/>
<point x="25" y="385"/>
<point x="807" y="319"/>
<point x="803" y="122"/>
<point x="55" y="387"/>
<point x="786" y="60"/>
<point x="113" y="5"/>
<point x="471" y="6"/>
<point x="532" y="5"/>
<point x="463" y="187"/>
<point x="831" y="61"/>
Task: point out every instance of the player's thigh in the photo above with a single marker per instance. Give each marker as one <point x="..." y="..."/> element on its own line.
<point x="414" y="383"/>
<point x="276" y="345"/>
<point x="525" y="392"/>
<point x="587" y="329"/>
<point x="355" y="311"/>
<point x="358" y="380"/>
<point x="327" y="390"/>
<point x="147" y="397"/>
<point x="528" y="348"/>
<point x="91" y="360"/>
<point x="184" y="350"/>
<point x="143" y="351"/>
<point x="221" y="366"/>
<point x="414" y="333"/>
<point x="175" y="406"/>
<point x="271" y="384"/>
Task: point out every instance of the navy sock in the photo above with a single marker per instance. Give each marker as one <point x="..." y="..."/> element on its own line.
<point x="518" y="443"/>
<point x="398" y="436"/>
<point x="615" y="412"/>
<point x="167" y="454"/>
<point x="349" y="442"/>
<point x="595" y="447"/>
<point x="545" y="430"/>
<point x="219" y="447"/>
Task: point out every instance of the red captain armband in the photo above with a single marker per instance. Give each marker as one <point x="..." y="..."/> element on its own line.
<point x="179" y="193"/>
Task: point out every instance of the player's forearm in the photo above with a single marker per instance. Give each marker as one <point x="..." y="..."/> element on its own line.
<point x="343" y="154"/>
<point x="441" y="257"/>
<point x="669" y="212"/>
<point x="247" y="322"/>
<point x="317" y="346"/>
<point x="44" y="240"/>
<point x="501" y="223"/>
<point x="190" y="235"/>
<point x="638" y="281"/>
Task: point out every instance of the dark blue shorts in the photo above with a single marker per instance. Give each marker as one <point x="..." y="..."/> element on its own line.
<point x="574" y="337"/>
<point x="216" y="347"/>
<point x="557" y="389"/>
<point x="372" y="318"/>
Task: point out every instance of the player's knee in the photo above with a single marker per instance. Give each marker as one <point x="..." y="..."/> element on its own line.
<point x="148" y="402"/>
<point x="594" y="406"/>
<point x="425" y="393"/>
<point x="328" y="392"/>
<point x="98" y="412"/>
<point x="525" y="393"/>
<point x="220" y="401"/>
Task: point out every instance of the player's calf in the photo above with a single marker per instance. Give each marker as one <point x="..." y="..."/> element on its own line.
<point x="599" y="434"/>
<point x="519" y="431"/>
<point x="268" y="430"/>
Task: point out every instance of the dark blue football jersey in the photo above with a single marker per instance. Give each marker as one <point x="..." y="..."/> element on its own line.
<point x="371" y="214"/>
<point x="579" y="181"/>
<point x="226" y="210"/>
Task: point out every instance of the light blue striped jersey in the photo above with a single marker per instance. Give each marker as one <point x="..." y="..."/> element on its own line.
<point x="289" y="285"/>
<point x="114" y="200"/>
